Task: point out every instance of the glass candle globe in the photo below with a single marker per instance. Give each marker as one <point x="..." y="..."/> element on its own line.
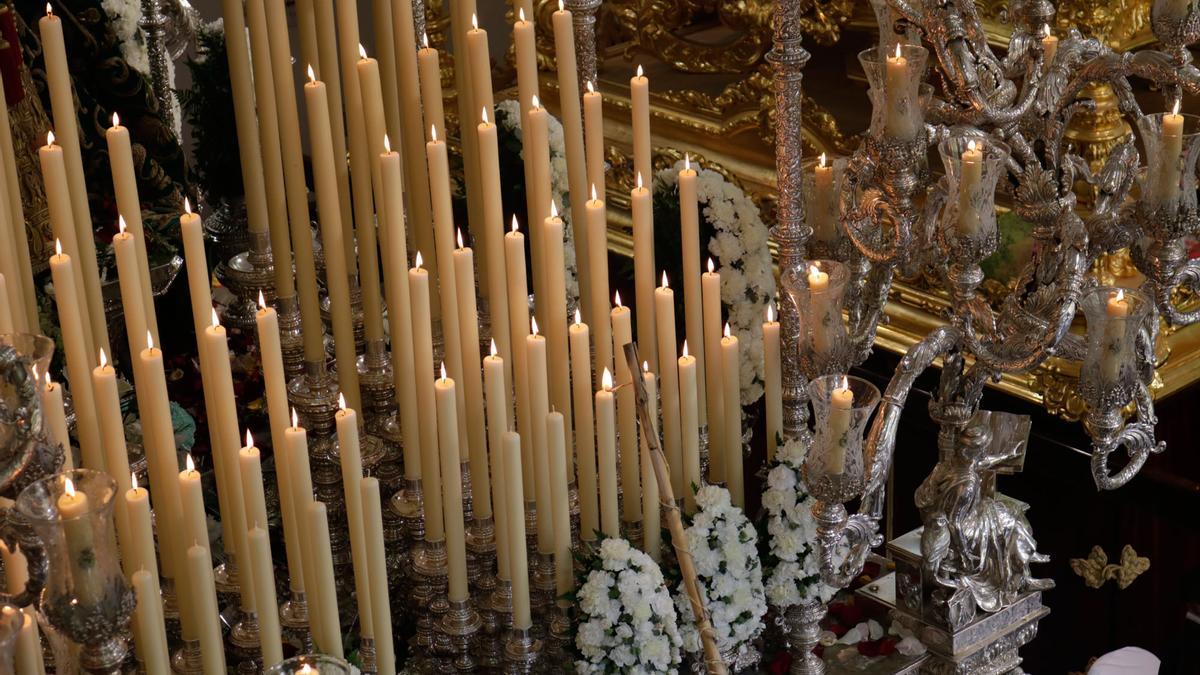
<point x="1109" y="375"/>
<point x="842" y="404"/>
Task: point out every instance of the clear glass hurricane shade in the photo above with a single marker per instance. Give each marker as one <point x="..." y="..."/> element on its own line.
<point x="834" y="467"/>
<point x="1169" y="181"/>
<point x="973" y="165"/>
<point x="823" y="186"/>
<point x="1109" y="375"/>
<point x="818" y="291"/>
<point x="896" y="112"/>
<point x="39" y="349"/>
<point x="310" y="664"/>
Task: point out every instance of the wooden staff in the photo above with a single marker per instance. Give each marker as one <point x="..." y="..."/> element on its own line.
<point x="666" y="498"/>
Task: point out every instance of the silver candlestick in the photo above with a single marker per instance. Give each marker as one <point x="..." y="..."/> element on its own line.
<point x="583" y="20"/>
<point x="247" y="274"/>
<point x="291" y="340"/>
<point x="459" y="627"/>
<point x="522" y="653"/>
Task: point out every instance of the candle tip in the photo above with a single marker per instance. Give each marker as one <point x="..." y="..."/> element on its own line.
<point x="249" y="439"/>
<point x="606" y="380"/>
<point x="560" y="5"/>
<point x="822" y="160"/>
<point x="362" y="52"/>
<point x="341" y="401"/>
<point x="444" y="371"/>
<point x="49" y="10"/>
<point x="553" y="209"/>
<point x="591" y="88"/>
<point x="711" y="267"/>
<point x="425" y="40"/>
<point x="187" y="206"/>
<point x="433" y="133"/>
<point x="813" y="269"/>
<point x="216" y="321"/>
<point x="1175" y="108"/>
<point x="971" y="145"/>
<point x="49" y="137"/>
<point x="149" y="341"/>
<point x="387" y="144"/>
<point x="845" y="382"/>
<point x="483" y="115"/>
<point x="116" y="119"/>
<point x="419" y="260"/>
<point x="685" y="348"/>
<point x="617" y="298"/>
<point x="262" y="301"/>
<point x="458" y="232"/>
<point x="770" y="312"/>
<point x="897" y="50"/>
<point x="594" y="198"/>
<point x="474" y="21"/>
<point x="727" y="333"/>
<point x="190" y="463"/>
<point x="639" y="180"/>
<point x="295" y="419"/>
<point x="640" y="72"/>
<point x="687" y="161"/>
<point x="312" y="75"/>
<point x="664" y="280"/>
<point x="645" y="366"/>
<point x="1046" y="29"/>
<point x="533" y="325"/>
<point x="578" y="317"/>
<point x="493" y="349"/>
<point x="1119" y="296"/>
<point x="121" y="223"/>
<point x="535" y="101"/>
<point x="521" y="14"/>
<point x="69" y="486"/>
<point x="57" y="246"/>
<point x="133" y="480"/>
<point x="514" y="222"/>
<point x="103" y="358"/>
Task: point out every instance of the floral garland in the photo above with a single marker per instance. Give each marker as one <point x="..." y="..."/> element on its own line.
<point x="739" y="244"/>
<point x="508" y="118"/>
<point x="724" y="546"/>
<point x="626" y="620"/>
<point x="795" y="575"/>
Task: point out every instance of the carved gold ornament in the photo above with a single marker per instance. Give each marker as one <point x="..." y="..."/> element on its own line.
<point x="1095" y="569"/>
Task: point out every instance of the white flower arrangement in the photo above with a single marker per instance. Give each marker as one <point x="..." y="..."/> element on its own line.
<point x="739" y="244"/>
<point x="796" y="575"/>
<point x="509" y="117"/>
<point x="724" y="546"/>
<point x="627" y="623"/>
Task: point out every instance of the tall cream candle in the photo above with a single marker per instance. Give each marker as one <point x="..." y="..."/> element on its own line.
<point x="564" y="567"/>
<point x="263" y="572"/>
<point x="627" y="436"/>
<point x="332" y="233"/>
<point x="381" y="613"/>
<point x="350" y="456"/>
<point x="16" y="219"/>
<point x="120" y="160"/>
<point x="493" y="225"/>
<point x="554" y="313"/>
<point x="639" y="101"/>
<point x="430" y="70"/>
<point x="7" y="307"/>
<point x="162" y="464"/>
<point x="693" y="304"/>
<point x="642" y="211"/>
<point x="62" y="223"/>
<point x="29" y="644"/>
<point x="137" y="320"/>
<point x="87" y="428"/>
<point x="572" y="123"/>
<point x="539" y="407"/>
<point x="498" y="414"/>
<point x="329" y="638"/>
<point x="535" y="143"/>
<point x="468" y="321"/>
<point x="690" y="428"/>
<point x="54" y="417"/>
<point x="841" y="406"/>
<point x="899" y="122"/>
<point x="518" y="317"/>
<point x="593" y="130"/>
<point x="383" y="25"/>
<point x="62" y="104"/>
<point x="431" y="473"/>
<point x="585" y="432"/>
<point x="75" y="514"/>
<point x="249" y="459"/>
<point x="730" y="366"/>
<point x="772" y="375"/>
<point x="664" y="306"/>
<point x="710" y="291"/>
<point x="456" y="551"/>
<point x="515" y="501"/>
<point x="824" y="203"/>
<point x="365" y="174"/>
<point x="112" y="433"/>
<point x="651" y="520"/>
<point x="1172" y="153"/>
<point x="296" y="447"/>
<point x="328" y="55"/>
<point x="151" y="630"/>
<point x="969" y="178"/>
<point x="194" y="531"/>
<point x="597" y="235"/>
<point x="606" y="444"/>
<point x="443" y="233"/>
<point x="200" y="574"/>
<point x="137" y="550"/>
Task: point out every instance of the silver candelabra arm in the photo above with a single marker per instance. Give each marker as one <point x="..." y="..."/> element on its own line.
<point x="843" y="542"/>
<point x="1187" y="276"/>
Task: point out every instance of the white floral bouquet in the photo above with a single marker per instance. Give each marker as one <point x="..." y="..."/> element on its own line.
<point x="724" y="546"/>
<point x="796" y="574"/>
<point x="626" y="620"/>
<point x="508" y="117"/>
<point x="739" y="245"/>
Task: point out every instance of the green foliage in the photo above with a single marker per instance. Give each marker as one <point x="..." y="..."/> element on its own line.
<point x="208" y="109"/>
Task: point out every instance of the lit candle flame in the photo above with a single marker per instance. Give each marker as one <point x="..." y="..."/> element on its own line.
<point x="425" y="40"/>
<point x="813" y="269"/>
<point x="771" y="312"/>
<point x="419" y="261"/>
<point x="474" y="21"/>
<point x="341" y="401"/>
<point x="616" y="299"/>
<point x="664" y="280"/>
<point x="216" y="321"/>
<point x="533" y="325"/>
<point x="295" y="419"/>
<point x="578" y="317"/>
<point x="591" y="89"/>
<point x="971" y="145"/>
<point x="187" y="206"/>
<point x="606" y="380"/>
<point x="133" y="480"/>
<point x="387" y="144"/>
<point x="249" y="440"/>
<point x="1120" y="296"/>
<point x="594" y="198"/>
<point x="49" y="138"/>
<point x="897" y="50"/>
<point x="535" y="101"/>
<point x="640" y="72"/>
<point x="727" y="333"/>
<point x="514" y="223"/>
<point x="69" y="487"/>
<point x="493" y="349"/>
<point x="553" y="209"/>
<point x="685" y="348"/>
<point x="49" y="10"/>
<point x="103" y="358"/>
<point x="190" y="463"/>
<point x="521" y="14"/>
<point x="1175" y="108"/>
<point x="262" y="302"/>
<point x="687" y="162"/>
<point x="57" y="246"/>
<point x="711" y="267"/>
<point x="645" y="366"/>
<point x="458" y="232"/>
<point x="483" y="115"/>
<point x="845" y="382"/>
<point x="362" y="52"/>
<point x="560" y="5"/>
<point x="443" y="371"/>
<point x="149" y="341"/>
<point x="1046" y="29"/>
<point x="116" y="119"/>
<point x="312" y="75"/>
<point x="121" y="224"/>
<point x="822" y="160"/>
<point x="433" y="133"/>
<point x="639" y="180"/>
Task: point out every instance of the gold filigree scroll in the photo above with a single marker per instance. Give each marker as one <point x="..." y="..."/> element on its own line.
<point x="1095" y="569"/>
<point x="709" y="36"/>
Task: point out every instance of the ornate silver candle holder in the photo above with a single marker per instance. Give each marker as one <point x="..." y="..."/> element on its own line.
<point x="378" y="386"/>
<point x="247" y="274"/>
<point x="558" y="637"/>
<point x="803" y="624"/>
<point x="496" y="612"/>
<point x="522" y="653"/>
<point x="542" y="589"/>
<point x="430" y="578"/>
<point x="244" y="642"/>
<point x="291" y="340"/>
<point x="481" y="555"/>
<point x="366" y="653"/>
<point x="187" y="658"/>
<point x="459" y="628"/>
<point x="356" y="313"/>
<point x="293" y="618"/>
<point x="85" y="595"/>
